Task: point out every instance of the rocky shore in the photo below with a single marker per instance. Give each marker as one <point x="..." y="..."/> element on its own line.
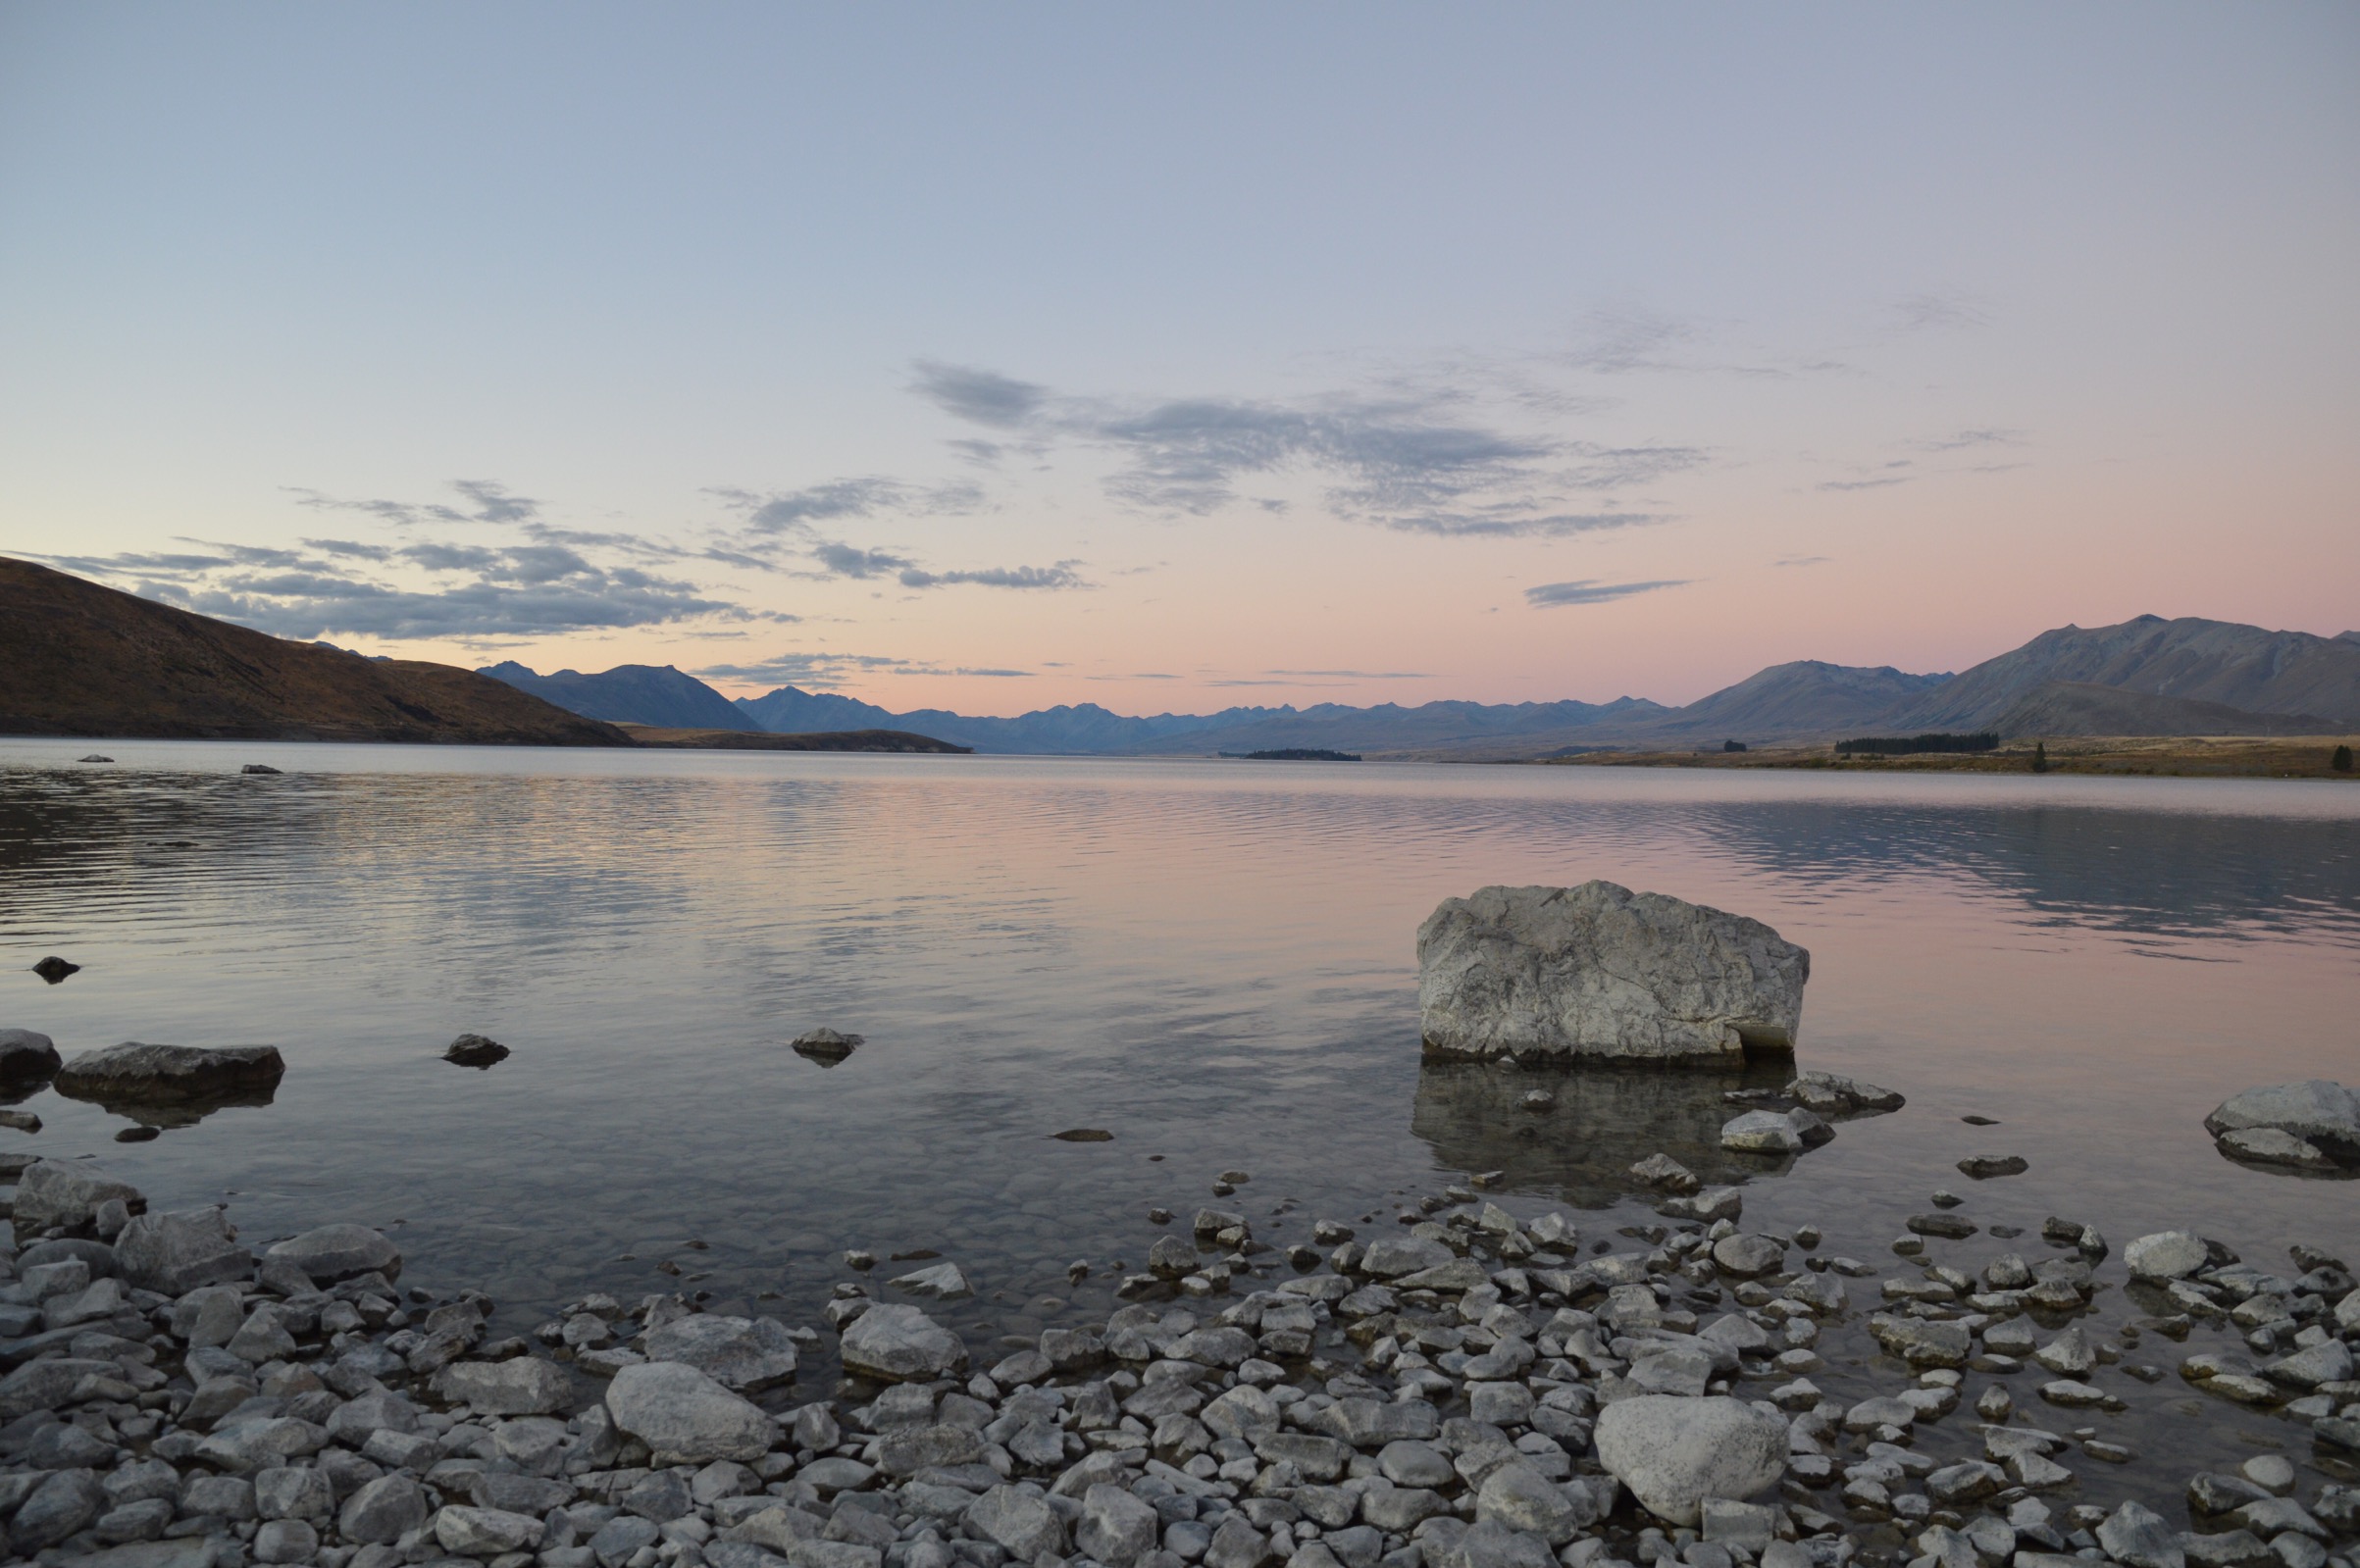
<point x="1447" y="1386"/>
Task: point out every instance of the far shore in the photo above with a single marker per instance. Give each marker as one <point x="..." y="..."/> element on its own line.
<point x="2166" y="756"/>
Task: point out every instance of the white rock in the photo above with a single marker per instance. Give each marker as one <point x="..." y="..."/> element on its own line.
<point x="944" y="1280"/>
<point x="684" y="1417"/>
<point x="1598" y="970"/>
<point x="1673" y="1453"/>
<point x="897" y="1343"/>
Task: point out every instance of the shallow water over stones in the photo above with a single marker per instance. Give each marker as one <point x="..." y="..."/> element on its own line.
<point x="1211" y="962"/>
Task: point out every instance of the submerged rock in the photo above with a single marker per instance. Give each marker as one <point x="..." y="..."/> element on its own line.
<point x="826" y="1047"/>
<point x="1599" y="972"/>
<point x="135" y="1072"/>
<point x="2316" y="1112"/>
<point x="258" y="768"/>
<point x="475" y="1050"/>
<point x="1834" y="1094"/>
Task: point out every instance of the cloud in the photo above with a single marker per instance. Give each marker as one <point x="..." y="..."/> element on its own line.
<point x="1415" y="460"/>
<point x="795" y="511"/>
<point x="1358" y="675"/>
<point x="849" y="561"/>
<point x="1967" y="440"/>
<point x="1940" y="309"/>
<point x="1864" y="485"/>
<point x="1549" y="596"/>
<point x="472" y="592"/>
<point x="979" y="396"/>
<point x="488" y="501"/>
<point x="1060" y="576"/>
<point x="1802" y="560"/>
<point x="822" y="668"/>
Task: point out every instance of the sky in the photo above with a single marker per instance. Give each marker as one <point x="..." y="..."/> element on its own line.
<point x="1180" y="357"/>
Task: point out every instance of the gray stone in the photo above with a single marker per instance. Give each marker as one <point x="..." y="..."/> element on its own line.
<point x="1672" y="1452"/>
<point x="1237" y="1544"/>
<point x="176" y="1253"/>
<point x="525" y="1386"/>
<point x="1115" y="1528"/>
<point x="2166" y="1255"/>
<point x="1391" y="1256"/>
<point x="26" y="1056"/>
<point x="1492" y="1546"/>
<point x="743" y="1354"/>
<point x="135" y="1073"/>
<point x="1019" y="1522"/>
<point x="260" y="1442"/>
<point x="229" y="1498"/>
<point x="619" y="1540"/>
<point x="2318" y="1111"/>
<point x="383" y="1510"/>
<point x="334" y="1253"/>
<point x="59" y="1507"/>
<point x="1241" y="1413"/>
<point x="1834" y="1094"/>
<point x="2270" y="1145"/>
<point x="946" y="1282"/>
<point x="1600" y="972"/>
<point x="66" y="1192"/>
<point x="1763" y="1133"/>
<point x="685" y="1417"/>
<point x="380" y="1409"/>
<point x="292" y="1492"/>
<point x="287" y="1540"/>
<point x="484" y="1532"/>
<point x="2138" y="1536"/>
<point x="1748" y="1257"/>
<point x="897" y="1343"/>
<point x="1516" y="1496"/>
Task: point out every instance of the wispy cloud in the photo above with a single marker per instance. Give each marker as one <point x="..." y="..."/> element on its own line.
<point x="1878" y="483"/>
<point x="1940" y="309"/>
<point x="1550" y="595"/>
<point x="1356" y="675"/>
<point x="1414" y="459"/>
<point x="481" y="501"/>
<point x="1802" y="560"/>
<point x="821" y="667"/>
<point x="1060" y="575"/>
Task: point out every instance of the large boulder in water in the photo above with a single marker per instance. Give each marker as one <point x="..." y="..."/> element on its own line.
<point x="1599" y="972"/>
<point x="2313" y="1122"/>
<point x="132" y="1073"/>
<point x="1673" y="1453"/>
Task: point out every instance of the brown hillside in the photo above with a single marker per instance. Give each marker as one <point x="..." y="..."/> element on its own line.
<point x="77" y="659"/>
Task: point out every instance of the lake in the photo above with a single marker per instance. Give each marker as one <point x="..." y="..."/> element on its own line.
<point x="1213" y="961"/>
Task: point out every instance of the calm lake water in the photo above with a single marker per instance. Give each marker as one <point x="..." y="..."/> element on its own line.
<point x="1213" y="961"/>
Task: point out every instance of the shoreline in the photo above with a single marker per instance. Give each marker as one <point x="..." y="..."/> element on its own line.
<point x="1430" y="1386"/>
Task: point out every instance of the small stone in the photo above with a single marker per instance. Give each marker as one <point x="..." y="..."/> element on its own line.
<point x="2137" y="1536"/>
<point x="826" y="1047"/>
<point x="1983" y="1167"/>
<point x="475" y="1050"/>
<point x="1084" y="1135"/>
<point x="2166" y="1255"/>
<point x="898" y="1343"/>
<point x="685" y="1417"/>
<point x="54" y="968"/>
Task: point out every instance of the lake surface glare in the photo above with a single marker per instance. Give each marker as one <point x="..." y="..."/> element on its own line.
<point x="1212" y="961"/>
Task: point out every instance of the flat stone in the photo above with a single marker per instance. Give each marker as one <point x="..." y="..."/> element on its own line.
<point x="1832" y="1094"/>
<point x="524" y="1385"/>
<point x="943" y="1280"/>
<point x="1115" y="1528"/>
<point x="2318" y="1111"/>
<point x="1020" y="1523"/>
<point x="133" y="1072"/>
<point x="1763" y="1133"/>
<point x="1598" y="971"/>
<point x="178" y="1252"/>
<point x="334" y="1252"/>
<point x="897" y="1343"/>
<point x="1983" y="1167"/>
<point x="2138" y="1536"/>
<point x="2166" y="1255"/>
<point x="742" y="1354"/>
<point x="67" y="1192"/>
<point x="685" y="1417"/>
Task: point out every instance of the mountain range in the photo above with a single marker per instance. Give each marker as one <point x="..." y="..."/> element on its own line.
<point x="2145" y="677"/>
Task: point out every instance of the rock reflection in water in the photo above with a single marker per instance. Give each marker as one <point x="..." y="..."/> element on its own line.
<point x="180" y="1111"/>
<point x="1605" y="1120"/>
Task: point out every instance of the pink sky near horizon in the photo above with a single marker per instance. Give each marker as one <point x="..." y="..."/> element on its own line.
<point x="1171" y="360"/>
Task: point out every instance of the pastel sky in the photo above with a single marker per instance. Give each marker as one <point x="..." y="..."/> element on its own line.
<point x="1172" y="357"/>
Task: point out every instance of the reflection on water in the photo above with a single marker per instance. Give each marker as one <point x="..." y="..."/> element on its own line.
<point x="1212" y="962"/>
<point x="1602" y="1121"/>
